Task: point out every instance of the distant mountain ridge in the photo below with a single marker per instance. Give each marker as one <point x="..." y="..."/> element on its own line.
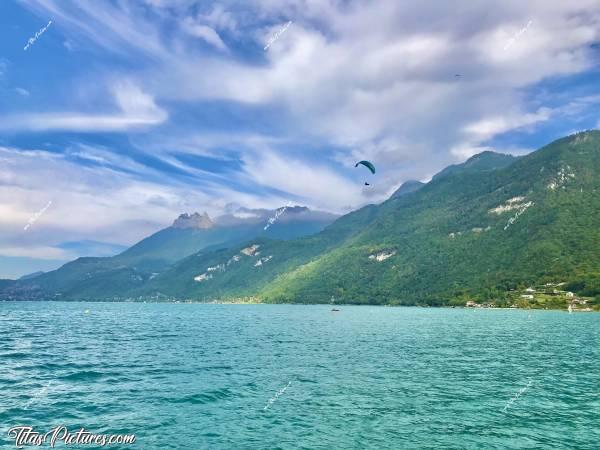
<point x="479" y="230"/>
<point x="89" y="276"/>
<point x="29" y="276"/>
<point x="191" y="233"/>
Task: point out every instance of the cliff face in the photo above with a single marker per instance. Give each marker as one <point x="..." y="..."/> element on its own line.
<point x="200" y="221"/>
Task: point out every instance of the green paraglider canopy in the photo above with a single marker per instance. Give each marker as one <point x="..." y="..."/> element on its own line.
<point x="367" y="164"/>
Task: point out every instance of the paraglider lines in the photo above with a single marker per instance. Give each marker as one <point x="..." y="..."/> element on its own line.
<point x="368" y="165"/>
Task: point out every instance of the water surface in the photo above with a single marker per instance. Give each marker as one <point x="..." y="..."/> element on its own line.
<point x="193" y="376"/>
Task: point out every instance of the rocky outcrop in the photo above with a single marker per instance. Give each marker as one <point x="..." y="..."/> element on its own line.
<point x="261" y="261"/>
<point x="203" y="277"/>
<point x="250" y="251"/>
<point x="382" y="256"/>
<point x="201" y="221"/>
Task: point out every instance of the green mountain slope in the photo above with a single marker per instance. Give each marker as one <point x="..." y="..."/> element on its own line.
<point x="107" y="278"/>
<point x="407" y="187"/>
<point x="482" y="162"/>
<point x="172" y="244"/>
<point x="176" y="242"/>
<point x="468" y="234"/>
<point x="482" y="230"/>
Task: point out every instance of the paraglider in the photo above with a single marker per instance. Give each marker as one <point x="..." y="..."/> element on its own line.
<point x="368" y="165"/>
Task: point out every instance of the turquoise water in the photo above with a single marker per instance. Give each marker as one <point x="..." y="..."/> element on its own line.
<point x="192" y="376"/>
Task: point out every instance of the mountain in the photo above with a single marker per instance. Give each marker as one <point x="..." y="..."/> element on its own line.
<point x="191" y="233"/>
<point x="407" y="187"/>
<point x="484" y="230"/>
<point x="95" y="277"/>
<point x="196" y="220"/>
<point x="482" y="162"/>
<point x="31" y="275"/>
<point x="477" y="232"/>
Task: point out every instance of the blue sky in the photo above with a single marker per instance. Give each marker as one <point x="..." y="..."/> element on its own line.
<point x="125" y="114"/>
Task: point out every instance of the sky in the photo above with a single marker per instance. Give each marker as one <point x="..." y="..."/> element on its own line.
<point x="117" y="116"/>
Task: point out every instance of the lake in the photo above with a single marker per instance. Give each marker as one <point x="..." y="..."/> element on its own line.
<point x="207" y="376"/>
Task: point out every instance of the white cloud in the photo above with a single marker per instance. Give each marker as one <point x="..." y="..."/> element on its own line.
<point x="23" y="92"/>
<point x="114" y="29"/>
<point x="487" y="128"/>
<point x="245" y="215"/>
<point x="101" y="204"/>
<point x="465" y="151"/>
<point x="482" y="130"/>
<point x="324" y="187"/>
<point x="137" y="109"/>
<point x="95" y="203"/>
<point x="205" y="33"/>
<point x="220" y="19"/>
<point x="351" y="83"/>
<point x="406" y="65"/>
<point x="357" y="82"/>
<point x="36" y="252"/>
<point x="74" y="122"/>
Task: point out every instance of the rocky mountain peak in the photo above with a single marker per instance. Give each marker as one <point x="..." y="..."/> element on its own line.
<point x="195" y="220"/>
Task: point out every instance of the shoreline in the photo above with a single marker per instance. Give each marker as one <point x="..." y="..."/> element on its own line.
<point x="591" y="310"/>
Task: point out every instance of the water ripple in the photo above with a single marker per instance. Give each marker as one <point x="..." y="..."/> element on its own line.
<point x="198" y="376"/>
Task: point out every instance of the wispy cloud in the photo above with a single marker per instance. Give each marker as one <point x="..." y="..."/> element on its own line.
<point x="23" y="92"/>
<point x="486" y="128"/>
<point x="205" y="33"/>
<point x="326" y="188"/>
<point x="150" y="97"/>
<point x="36" y="216"/>
<point x="43" y="252"/>
<point x="136" y="109"/>
<point x="517" y="35"/>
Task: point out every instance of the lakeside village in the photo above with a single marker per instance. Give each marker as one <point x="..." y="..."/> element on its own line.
<point x="547" y="296"/>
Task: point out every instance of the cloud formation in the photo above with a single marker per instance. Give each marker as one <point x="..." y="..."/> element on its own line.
<point x="135" y="109"/>
<point x="204" y="116"/>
